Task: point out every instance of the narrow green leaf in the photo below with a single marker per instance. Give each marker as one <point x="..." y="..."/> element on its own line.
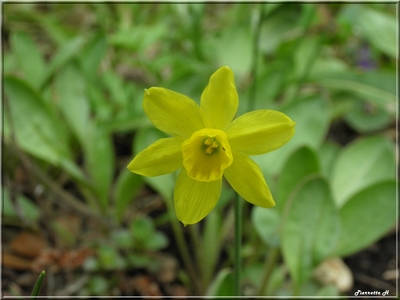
<point x="64" y="54"/>
<point x="72" y="99"/>
<point x="92" y="55"/>
<point x="310" y="229"/>
<point x="366" y="217"/>
<point x="362" y="163"/>
<point x="127" y="185"/>
<point x="38" y="285"/>
<point x="375" y="87"/>
<point x="211" y="236"/>
<point x="99" y="161"/>
<point x="29" y="58"/>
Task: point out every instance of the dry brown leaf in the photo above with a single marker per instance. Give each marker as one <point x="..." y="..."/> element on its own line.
<point x="16" y="262"/>
<point x="28" y="244"/>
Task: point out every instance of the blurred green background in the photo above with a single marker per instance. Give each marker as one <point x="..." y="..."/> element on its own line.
<point x="73" y="80"/>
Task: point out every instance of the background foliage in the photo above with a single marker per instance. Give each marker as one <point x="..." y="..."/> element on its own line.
<point x="74" y="76"/>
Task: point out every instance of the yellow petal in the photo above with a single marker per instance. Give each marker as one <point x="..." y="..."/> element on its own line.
<point x="162" y="157"/>
<point x="260" y="131"/>
<point x="172" y="112"/>
<point x="194" y="199"/>
<point x="206" y="154"/>
<point x="246" y="178"/>
<point x="219" y="101"/>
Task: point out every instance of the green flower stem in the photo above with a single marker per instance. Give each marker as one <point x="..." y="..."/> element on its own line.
<point x="238" y="245"/>
<point x="196" y="244"/>
<point x="254" y="69"/>
<point x="269" y="267"/>
<point x="182" y="247"/>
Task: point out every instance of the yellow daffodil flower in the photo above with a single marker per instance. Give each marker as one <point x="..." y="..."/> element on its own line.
<point x="207" y="144"/>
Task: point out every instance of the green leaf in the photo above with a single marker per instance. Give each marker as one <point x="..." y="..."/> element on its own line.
<point x="38" y="285"/>
<point x="212" y="235"/>
<point x="366" y="217"/>
<point x="328" y="153"/>
<point x="36" y="129"/>
<point x="267" y="222"/>
<point x="156" y="241"/>
<point x="26" y="206"/>
<point x="99" y="161"/>
<point x="29" y="58"/>
<point x="300" y="164"/>
<point x="378" y="88"/>
<point x="65" y="54"/>
<point x="72" y="99"/>
<point x="362" y="163"/>
<point x="223" y="285"/>
<point x="235" y="42"/>
<point x="110" y="258"/>
<point x="304" y="57"/>
<point x="275" y="27"/>
<point x="366" y="117"/>
<point x="92" y="55"/>
<point x="310" y="130"/>
<point x="126" y="186"/>
<point x="311" y="228"/>
<point x="383" y="32"/>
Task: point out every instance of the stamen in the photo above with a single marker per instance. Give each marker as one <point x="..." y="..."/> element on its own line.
<point x="212" y="144"/>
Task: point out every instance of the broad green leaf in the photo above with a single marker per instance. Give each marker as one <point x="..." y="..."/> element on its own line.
<point x="310" y="229"/>
<point x="366" y="117"/>
<point x="126" y="186"/>
<point x="328" y="153"/>
<point x="267" y="222"/>
<point x="36" y="129"/>
<point x="366" y="217"/>
<point x="300" y="164"/>
<point x="99" y="161"/>
<point x="29" y="58"/>
<point x="364" y="162"/>
<point x="312" y="120"/>
<point x="72" y="99"/>
<point x="382" y="34"/>
<point x="223" y="284"/>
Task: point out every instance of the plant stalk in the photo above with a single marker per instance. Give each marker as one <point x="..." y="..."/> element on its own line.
<point x="238" y="245"/>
